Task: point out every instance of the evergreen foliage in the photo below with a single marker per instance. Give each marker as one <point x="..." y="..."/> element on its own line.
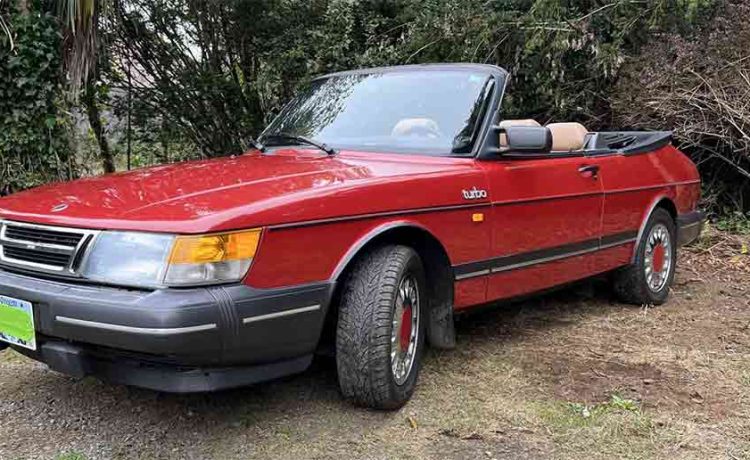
<point x="34" y="125"/>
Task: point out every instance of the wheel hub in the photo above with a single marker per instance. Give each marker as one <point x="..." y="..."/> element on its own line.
<point x="405" y="329"/>
<point x="658" y="258"/>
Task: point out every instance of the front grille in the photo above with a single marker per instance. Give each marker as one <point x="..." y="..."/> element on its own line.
<point x="36" y="256"/>
<point x="36" y="235"/>
<point x="42" y="248"/>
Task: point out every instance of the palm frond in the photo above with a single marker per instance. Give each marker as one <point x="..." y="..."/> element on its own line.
<point x="4" y="28"/>
<point x="6" y="31"/>
<point x="79" y="19"/>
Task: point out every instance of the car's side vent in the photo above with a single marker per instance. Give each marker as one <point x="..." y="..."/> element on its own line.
<point x="42" y="248"/>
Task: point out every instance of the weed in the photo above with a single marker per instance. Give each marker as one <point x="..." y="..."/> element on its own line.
<point x="615" y="403"/>
<point x="736" y="222"/>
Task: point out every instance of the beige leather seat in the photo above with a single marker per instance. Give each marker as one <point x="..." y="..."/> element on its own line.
<point x="510" y="123"/>
<point x="567" y="137"/>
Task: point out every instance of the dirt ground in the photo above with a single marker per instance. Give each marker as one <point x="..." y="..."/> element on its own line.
<point x="568" y="375"/>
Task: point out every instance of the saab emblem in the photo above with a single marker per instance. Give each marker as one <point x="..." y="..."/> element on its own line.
<point x="59" y="208"/>
<point x="474" y="194"/>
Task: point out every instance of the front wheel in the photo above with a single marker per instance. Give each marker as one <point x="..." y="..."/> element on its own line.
<point x="648" y="280"/>
<point x="380" y="332"/>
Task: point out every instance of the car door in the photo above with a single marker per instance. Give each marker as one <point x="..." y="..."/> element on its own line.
<point x="546" y="222"/>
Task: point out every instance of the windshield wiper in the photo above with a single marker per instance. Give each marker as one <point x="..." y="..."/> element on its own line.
<point x="303" y="140"/>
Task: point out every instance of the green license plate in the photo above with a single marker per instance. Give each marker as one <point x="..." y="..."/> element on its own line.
<point x="17" y="322"/>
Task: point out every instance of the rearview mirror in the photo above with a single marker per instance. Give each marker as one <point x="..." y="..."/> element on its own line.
<point x="525" y="140"/>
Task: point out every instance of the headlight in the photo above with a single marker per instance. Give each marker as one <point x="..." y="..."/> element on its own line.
<point x="153" y="260"/>
<point x="132" y="259"/>
<point x="211" y="258"/>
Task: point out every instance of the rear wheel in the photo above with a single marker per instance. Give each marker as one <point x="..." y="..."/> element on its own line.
<point x="380" y="331"/>
<point x="649" y="278"/>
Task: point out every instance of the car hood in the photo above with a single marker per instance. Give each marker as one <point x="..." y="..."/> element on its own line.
<point x="234" y="192"/>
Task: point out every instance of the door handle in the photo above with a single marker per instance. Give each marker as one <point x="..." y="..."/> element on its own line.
<point x="591" y="171"/>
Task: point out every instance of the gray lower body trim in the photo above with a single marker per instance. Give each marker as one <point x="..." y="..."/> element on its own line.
<point x="110" y="365"/>
<point x="195" y="327"/>
<point x="689" y="227"/>
<point x="136" y="330"/>
<point x="280" y="314"/>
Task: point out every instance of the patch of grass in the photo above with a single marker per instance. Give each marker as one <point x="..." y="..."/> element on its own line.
<point x="70" y="456"/>
<point x="614" y="428"/>
<point x="615" y="403"/>
<point x="577" y="415"/>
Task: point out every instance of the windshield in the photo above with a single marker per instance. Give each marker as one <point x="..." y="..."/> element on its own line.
<point x="429" y="112"/>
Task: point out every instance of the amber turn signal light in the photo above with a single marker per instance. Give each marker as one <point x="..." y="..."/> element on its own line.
<point x="215" y="248"/>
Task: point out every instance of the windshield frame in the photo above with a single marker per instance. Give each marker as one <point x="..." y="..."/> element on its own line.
<point x="493" y="92"/>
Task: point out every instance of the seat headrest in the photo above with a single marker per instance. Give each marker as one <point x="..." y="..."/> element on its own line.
<point x="423" y="126"/>
<point x="567" y="137"/>
<point x="526" y="122"/>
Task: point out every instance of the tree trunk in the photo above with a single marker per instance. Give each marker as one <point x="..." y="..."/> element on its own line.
<point x="95" y="120"/>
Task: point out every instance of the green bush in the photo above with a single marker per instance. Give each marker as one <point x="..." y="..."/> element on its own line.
<point x="218" y="87"/>
<point x="34" y="126"/>
<point x="206" y="76"/>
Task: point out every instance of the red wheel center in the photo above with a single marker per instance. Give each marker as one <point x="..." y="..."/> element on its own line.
<point x="658" y="258"/>
<point x="405" y="333"/>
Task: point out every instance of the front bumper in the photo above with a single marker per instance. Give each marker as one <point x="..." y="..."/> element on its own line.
<point x="689" y="227"/>
<point x="180" y="340"/>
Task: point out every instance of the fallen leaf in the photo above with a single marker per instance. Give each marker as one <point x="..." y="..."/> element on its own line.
<point x="412" y="422"/>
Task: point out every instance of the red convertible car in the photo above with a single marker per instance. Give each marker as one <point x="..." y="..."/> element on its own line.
<point x="377" y="205"/>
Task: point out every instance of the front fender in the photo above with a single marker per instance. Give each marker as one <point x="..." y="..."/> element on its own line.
<point x="368" y="238"/>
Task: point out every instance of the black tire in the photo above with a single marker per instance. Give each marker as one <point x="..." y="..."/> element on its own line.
<point x="630" y="283"/>
<point x="365" y="324"/>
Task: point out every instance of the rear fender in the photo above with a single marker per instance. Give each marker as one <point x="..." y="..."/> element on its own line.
<point x="655" y="203"/>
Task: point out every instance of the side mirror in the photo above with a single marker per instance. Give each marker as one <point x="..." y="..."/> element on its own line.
<point x="525" y="140"/>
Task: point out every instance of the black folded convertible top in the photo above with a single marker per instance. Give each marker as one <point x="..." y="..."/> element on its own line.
<point x="628" y="142"/>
